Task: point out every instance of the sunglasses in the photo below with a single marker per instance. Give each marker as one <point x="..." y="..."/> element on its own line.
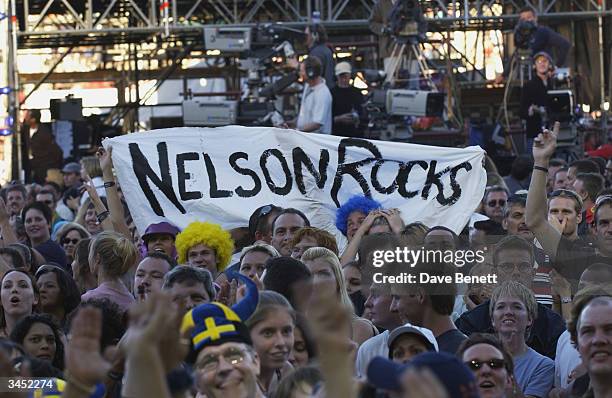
<point x="564" y="193"/>
<point x="65" y="241"/>
<point x="498" y="202"/>
<point x="495" y="363"/>
<point x="264" y="211"/>
<point x="509" y="267"/>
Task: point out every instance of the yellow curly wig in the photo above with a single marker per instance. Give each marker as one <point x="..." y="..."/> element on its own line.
<point x="208" y="234"/>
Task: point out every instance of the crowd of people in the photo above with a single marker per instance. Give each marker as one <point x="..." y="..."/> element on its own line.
<point x="277" y="309"/>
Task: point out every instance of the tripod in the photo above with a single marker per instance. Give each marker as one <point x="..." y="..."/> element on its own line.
<point x="520" y="70"/>
<point x="412" y="51"/>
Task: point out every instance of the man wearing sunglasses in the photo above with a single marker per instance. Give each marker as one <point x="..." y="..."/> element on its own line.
<point x="491" y="363"/>
<point x="494" y="202"/>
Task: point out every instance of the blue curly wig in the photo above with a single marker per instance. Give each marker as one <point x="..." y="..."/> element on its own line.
<point x="356" y="203"/>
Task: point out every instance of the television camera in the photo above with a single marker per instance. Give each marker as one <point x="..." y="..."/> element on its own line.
<point x="391" y="102"/>
<point x="256" y="49"/>
<point x="524" y="33"/>
<point x="406" y="21"/>
<point x="389" y="107"/>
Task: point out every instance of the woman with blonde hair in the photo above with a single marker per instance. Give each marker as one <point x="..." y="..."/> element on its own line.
<point x="327" y="274"/>
<point x="111" y="255"/>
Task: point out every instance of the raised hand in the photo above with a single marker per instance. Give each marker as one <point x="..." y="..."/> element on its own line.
<point x="327" y="318"/>
<point x="173" y="346"/>
<point x="4" y="214"/>
<point x="545" y="144"/>
<point x="394" y="219"/>
<point x="148" y="322"/>
<point x="73" y="203"/>
<point x="242" y="289"/>
<point x="368" y="221"/>
<point x="156" y="323"/>
<point x="558" y="225"/>
<point x="560" y="286"/>
<point x="105" y="158"/>
<point x="88" y="184"/>
<point x="83" y="359"/>
<point x="224" y="295"/>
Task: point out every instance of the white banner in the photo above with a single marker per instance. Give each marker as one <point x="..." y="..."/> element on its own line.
<point x="223" y="174"/>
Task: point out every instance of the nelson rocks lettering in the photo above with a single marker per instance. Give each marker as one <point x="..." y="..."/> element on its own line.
<point x="293" y="174"/>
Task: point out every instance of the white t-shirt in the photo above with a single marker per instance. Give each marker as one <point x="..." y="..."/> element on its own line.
<point x="566" y="360"/>
<point x="378" y="346"/>
<point x="373" y="347"/>
<point x="316" y="107"/>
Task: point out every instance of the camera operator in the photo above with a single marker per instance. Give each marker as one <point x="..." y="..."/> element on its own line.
<point x="315" y="115"/>
<point x="545" y="39"/>
<point x="534" y="97"/>
<point x="347" y="104"/>
<point x="316" y="40"/>
<point x="529" y="35"/>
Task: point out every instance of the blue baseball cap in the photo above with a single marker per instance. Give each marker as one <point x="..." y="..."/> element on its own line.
<point x="455" y="376"/>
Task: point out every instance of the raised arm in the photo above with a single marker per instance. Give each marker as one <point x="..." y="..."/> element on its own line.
<point x="85" y="366"/>
<point x="101" y="211"/>
<point x="115" y="207"/>
<point x="154" y="328"/>
<point x="8" y="235"/>
<point x="536" y="211"/>
<point x="350" y="252"/>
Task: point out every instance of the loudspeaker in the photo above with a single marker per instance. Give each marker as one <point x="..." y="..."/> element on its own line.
<point x="66" y="109"/>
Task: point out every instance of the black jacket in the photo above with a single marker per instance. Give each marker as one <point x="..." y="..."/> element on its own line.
<point x="535" y="92"/>
<point x="546" y="39"/>
<point x="544" y="334"/>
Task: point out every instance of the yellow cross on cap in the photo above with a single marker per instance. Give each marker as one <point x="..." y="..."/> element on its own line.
<point x="212" y="331"/>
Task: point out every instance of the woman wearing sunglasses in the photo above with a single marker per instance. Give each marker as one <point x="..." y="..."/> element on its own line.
<point x="513" y="310"/>
<point x="68" y="236"/>
<point x="492" y="365"/>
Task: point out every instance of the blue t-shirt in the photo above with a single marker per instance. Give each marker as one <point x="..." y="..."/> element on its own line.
<point x="534" y="373"/>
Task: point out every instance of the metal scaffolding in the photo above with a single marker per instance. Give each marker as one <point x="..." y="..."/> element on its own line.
<point x="162" y="30"/>
<point x="54" y="23"/>
<point x="64" y="25"/>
